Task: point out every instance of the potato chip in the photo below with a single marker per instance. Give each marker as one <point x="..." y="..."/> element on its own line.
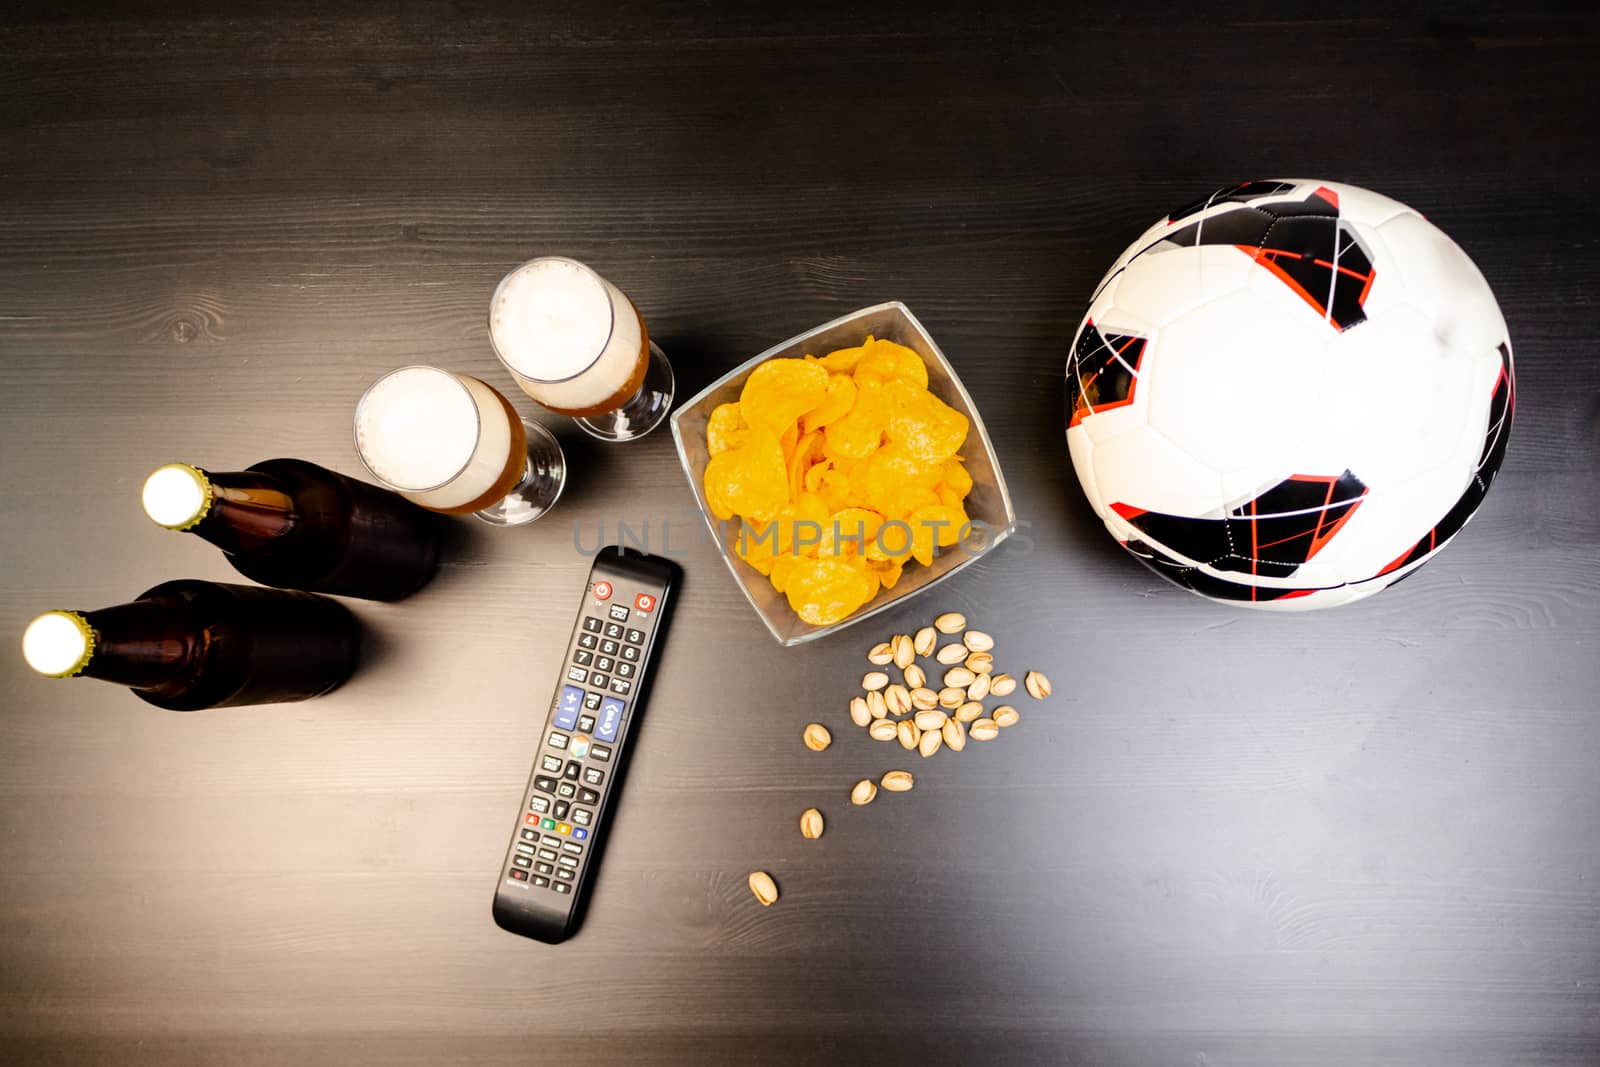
<point x="844" y="360"/>
<point x="824" y="591"/>
<point x="779" y="391"/>
<point x="840" y="398"/>
<point x="814" y="475"/>
<point x="897" y="482"/>
<point x="849" y="532"/>
<point x="885" y="361"/>
<point x="724" y="429"/>
<point x="808" y="445"/>
<point x="929" y="428"/>
<point x="749" y="480"/>
<point x="956" y="477"/>
<point x="858" y="432"/>
<point x="782" y="568"/>
<point x="888" y="572"/>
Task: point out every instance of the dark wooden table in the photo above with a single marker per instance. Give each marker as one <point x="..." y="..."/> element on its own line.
<point x="1367" y="836"/>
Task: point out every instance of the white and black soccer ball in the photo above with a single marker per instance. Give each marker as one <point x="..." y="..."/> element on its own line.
<point x="1290" y="394"/>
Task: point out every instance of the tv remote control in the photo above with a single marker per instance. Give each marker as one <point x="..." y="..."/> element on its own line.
<point x="583" y="747"/>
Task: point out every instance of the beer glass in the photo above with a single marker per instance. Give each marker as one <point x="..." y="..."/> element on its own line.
<point x="453" y="444"/>
<point x="575" y="343"/>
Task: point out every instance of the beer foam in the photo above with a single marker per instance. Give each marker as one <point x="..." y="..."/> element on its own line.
<point x="54" y="643"/>
<point x="416" y="428"/>
<point x="551" y="319"/>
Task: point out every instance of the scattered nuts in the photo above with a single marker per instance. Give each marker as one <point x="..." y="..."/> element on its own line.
<point x="811" y="824"/>
<point x="979" y="688"/>
<point x="1038" y="685"/>
<point x="915" y="678"/>
<point x="1002" y="685"/>
<point x="908" y="733"/>
<point x="930" y="743"/>
<point x="959" y="677"/>
<point x="924" y="699"/>
<point x="897" y="781"/>
<point x="860" y="714"/>
<point x="765" y="889"/>
<point x="950" y="655"/>
<point x="876" y="705"/>
<point x="905" y="653"/>
<point x="952" y="697"/>
<point x="882" y="655"/>
<point x="980" y="663"/>
<point x="977" y="640"/>
<point x="930" y="720"/>
<point x="955" y="735"/>
<point x="863" y="792"/>
<point x="969" y="712"/>
<point x="898" y="697"/>
<point x="950" y="622"/>
<point x="926" y="638"/>
<point x="983" y="730"/>
<point x="883" y="730"/>
<point x="817" y="736"/>
<point x="1005" y="715"/>
<point x="872" y="681"/>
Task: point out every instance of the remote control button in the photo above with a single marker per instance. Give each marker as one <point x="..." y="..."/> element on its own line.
<point x="564" y="829"/>
<point x="610" y="720"/>
<point x="548" y="853"/>
<point x="635" y="637"/>
<point x="582" y="658"/>
<point x="524" y="848"/>
<point x="593" y="775"/>
<point x="589" y="797"/>
<point x="530" y="835"/>
<point x="579" y="747"/>
<point x="579" y="833"/>
<point x="546" y="868"/>
<point x="602" y="590"/>
<point x="609" y="648"/>
<point x="547" y="823"/>
<point x="600" y="752"/>
<point x="558" y="740"/>
<point x="592" y="624"/>
<point x="568" y="861"/>
<point x="566" y="790"/>
<point x="540" y="805"/>
<point x="550" y="763"/>
<point x="574" y="768"/>
<point x="566" y="874"/>
<point x="589" y="640"/>
<point x="561" y="887"/>
<point x="618" y="613"/>
<point x="630" y="653"/>
<point x="600" y="681"/>
<point x="582" y="816"/>
<point x="567" y="708"/>
<point x="542" y="883"/>
<point x="621" y="686"/>
<point x="604" y="663"/>
<point x="586" y="722"/>
<point x="522" y="861"/>
<point x="591" y="701"/>
<point x="572" y="847"/>
<point x="544" y="784"/>
<point x="624" y="670"/>
<point x="644" y="602"/>
<point x="613" y="630"/>
<point x="521" y="876"/>
<point x="561" y="809"/>
<point x="577" y="674"/>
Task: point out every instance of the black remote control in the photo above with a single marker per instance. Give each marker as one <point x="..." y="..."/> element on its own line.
<point x="584" y="745"/>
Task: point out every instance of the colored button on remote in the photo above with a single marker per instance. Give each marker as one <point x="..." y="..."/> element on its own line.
<point x="610" y="719"/>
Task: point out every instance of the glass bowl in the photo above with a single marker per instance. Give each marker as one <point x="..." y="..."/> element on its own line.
<point x="988" y="505"/>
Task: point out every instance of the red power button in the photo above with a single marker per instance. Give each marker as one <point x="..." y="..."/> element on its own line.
<point x="644" y="602"/>
<point x="602" y="590"/>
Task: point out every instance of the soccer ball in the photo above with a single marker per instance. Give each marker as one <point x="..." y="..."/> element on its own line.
<point x="1289" y="395"/>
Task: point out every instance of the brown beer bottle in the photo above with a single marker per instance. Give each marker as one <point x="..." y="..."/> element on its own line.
<point x="188" y="644"/>
<point x="295" y="525"/>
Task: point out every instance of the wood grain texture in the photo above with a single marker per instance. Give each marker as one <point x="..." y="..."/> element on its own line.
<point x="1359" y="837"/>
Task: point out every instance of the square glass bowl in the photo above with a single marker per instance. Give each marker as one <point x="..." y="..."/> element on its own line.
<point x="989" y="502"/>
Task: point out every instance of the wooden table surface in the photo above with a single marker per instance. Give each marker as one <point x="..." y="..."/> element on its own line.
<point x="1367" y="836"/>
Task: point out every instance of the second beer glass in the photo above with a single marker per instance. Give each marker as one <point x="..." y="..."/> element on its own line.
<point x="576" y="344"/>
<point x="452" y="444"/>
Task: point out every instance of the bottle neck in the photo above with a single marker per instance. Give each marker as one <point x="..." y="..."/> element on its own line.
<point x="142" y="645"/>
<point x="249" y="510"/>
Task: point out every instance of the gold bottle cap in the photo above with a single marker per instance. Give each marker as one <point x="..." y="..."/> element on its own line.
<point x="177" y="496"/>
<point x="58" y="643"/>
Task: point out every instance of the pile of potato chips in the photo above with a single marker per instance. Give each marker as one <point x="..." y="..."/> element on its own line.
<point x="840" y="468"/>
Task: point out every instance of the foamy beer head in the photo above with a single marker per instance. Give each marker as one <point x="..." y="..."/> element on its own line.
<point x="573" y="341"/>
<point x="445" y="441"/>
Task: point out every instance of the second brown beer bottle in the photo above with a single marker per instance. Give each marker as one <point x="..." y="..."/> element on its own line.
<point x="295" y="525"/>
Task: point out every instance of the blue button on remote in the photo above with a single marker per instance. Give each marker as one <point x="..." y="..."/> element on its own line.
<point x="567" y="710"/>
<point x="610" y="719"/>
